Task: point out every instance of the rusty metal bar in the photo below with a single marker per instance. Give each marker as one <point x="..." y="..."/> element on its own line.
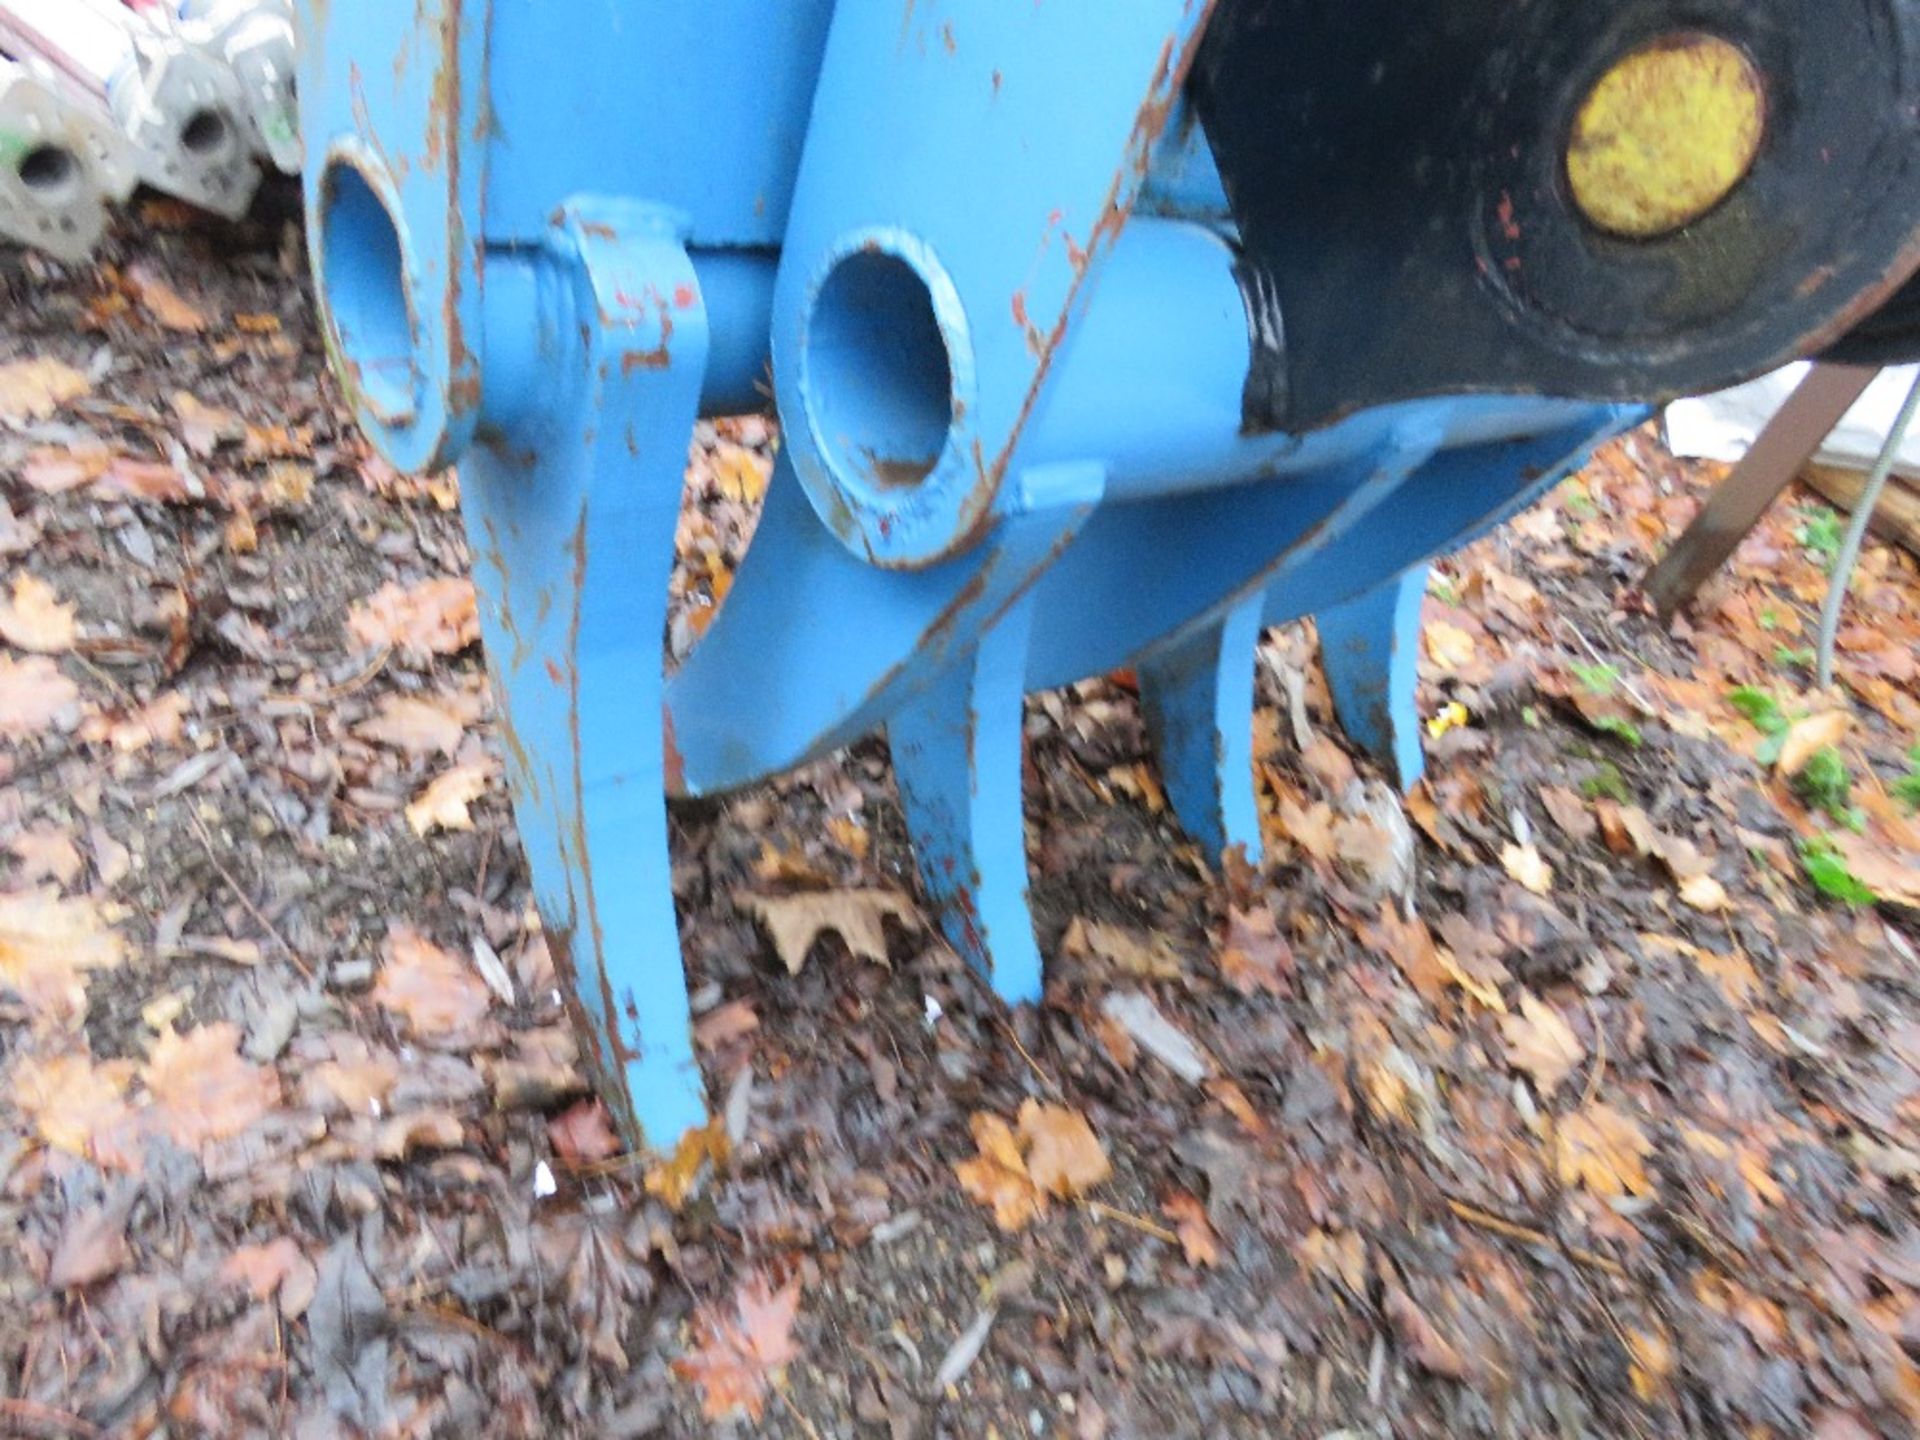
<point x="1738" y="502"/>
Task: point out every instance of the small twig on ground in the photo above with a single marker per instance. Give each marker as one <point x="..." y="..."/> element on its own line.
<point x="246" y="901"/>
<point x="1599" y="659"/>
<point x="1122" y="1217"/>
<point x="1527" y="1234"/>
<point x="33" y="1418"/>
<point x="1032" y="1064"/>
<point x="1599" y="1054"/>
<point x="794" y="1410"/>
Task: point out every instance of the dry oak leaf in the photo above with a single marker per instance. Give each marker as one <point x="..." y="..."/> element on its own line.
<point x="740" y="1352"/>
<point x="1541" y="1043"/>
<point x="158" y="722"/>
<point x="1602" y="1148"/>
<point x="435" y="617"/>
<point x="1893" y="876"/>
<point x="998" y="1177"/>
<point x="35" y="696"/>
<point x="1064" y="1156"/>
<point x="34" y="389"/>
<point x="78" y="1105"/>
<point x="414" y="725"/>
<point x="165" y="304"/>
<point x="435" y="992"/>
<point x="1806" y="737"/>
<point x="34" y="619"/>
<point x="583" y="1133"/>
<point x="203" y="1090"/>
<point x="279" y="1267"/>
<point x="47" y="854"/>
<point x="46" y="946"/>
<point x="442" y="805"/>
<point x="794" y="922"/>
<point x="676" y="1178"/>
<point x="1147" y="957"/>
<point x="1429" y="1349"/>
<point x="1054" y="1153"/>
<point x="1525" y="864"/>
<point x="1255" y="957"/>
<point x="1197" y="1238"/>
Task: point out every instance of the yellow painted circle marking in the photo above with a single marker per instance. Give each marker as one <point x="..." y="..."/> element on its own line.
<point x="1666" y="135"/>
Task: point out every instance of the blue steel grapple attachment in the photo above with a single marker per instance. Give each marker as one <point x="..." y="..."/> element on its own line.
<point x="1043" y="410"/>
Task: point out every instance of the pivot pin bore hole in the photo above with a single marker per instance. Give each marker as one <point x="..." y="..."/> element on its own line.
<point x="879" y="378"/>
<point x="364" y="274"/>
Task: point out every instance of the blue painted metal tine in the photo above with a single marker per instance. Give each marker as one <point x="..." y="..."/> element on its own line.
<point x="957" y="756"/>
<point x="778" y="679"/>
<point x="572" y="497"/>
<point x="1369" y="647"/>
<point x="1197" y="698"/>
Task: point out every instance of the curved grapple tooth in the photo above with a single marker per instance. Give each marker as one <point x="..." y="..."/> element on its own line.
<point x="1370" y="648"/>
<point x="1197" y="698"/>
<point x="957" y="759"/>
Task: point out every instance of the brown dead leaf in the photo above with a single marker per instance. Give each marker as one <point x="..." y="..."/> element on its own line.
<point x="35" y="697"/>
<point x="158" y="722"/>
<point x="741" y="1352"/>
<point x="92" y="1246"/>
<point x="1526" y="865"/>
<point x="1705" y="893"/>
<point x="1424" y="1343"/>
<point x="1255" y="958"/>
<point x="1064" y="1156"/>
<point x="1197" y="1239"/>
<point x="47" y="854"/>
<point x="1603" y="1149"/>
<point x="278" y="1267"/>
<point x="724" y="1024"/>
<point x="1054" y="1154"/>
<point x="78" y="1105"/>
<point x="203" y="1090"/>
<point x="1569" y="812"/>
<point x="1131" y="952"/>
<point x="582" y="1134"/>
<point x="1541" y="1043"/>
<point x="34" y="619"/>
<point x="34" y="389"/>
<point x="1806" y="737"/>
<point x="1893" y="878"/>
<point x="1309" y="826"/>
<point x="1448" y="646"/>
<point x="672" y="1181"/>
<point x="794" y="922"/>
<point x="435" y="617"/>
<point x="739" y="473"/>
<point x="418" y="1130"/>
<point x="435" y="992"/>
<point x="165" y="304"/>
<point x="997" y="1176"/>
<point x="47" y="945"/>
<point x="442" y="805"/>
<point x="415" y="725"/>
<point x="155" y="480"/>
<point x="54" y="470"/>
<point x="1409" y="944"/>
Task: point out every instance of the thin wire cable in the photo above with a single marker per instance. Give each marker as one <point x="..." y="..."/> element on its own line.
<point x="1863" y="508"/>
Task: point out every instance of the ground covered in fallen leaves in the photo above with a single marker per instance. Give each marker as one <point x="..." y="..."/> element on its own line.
<point x="1575" y="1095"/>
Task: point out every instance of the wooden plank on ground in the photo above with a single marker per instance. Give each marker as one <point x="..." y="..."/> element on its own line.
<point x="1896" y="517"/>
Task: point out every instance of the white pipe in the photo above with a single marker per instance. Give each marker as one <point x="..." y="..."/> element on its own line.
<point x="180" y="109"/>
<point x="254" y="38"/>
<point x="61" y="162"/>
